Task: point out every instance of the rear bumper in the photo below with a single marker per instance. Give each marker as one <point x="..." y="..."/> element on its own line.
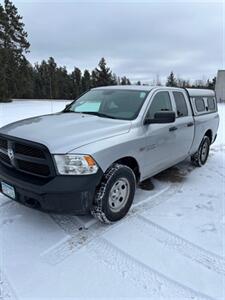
<point x="60" y="194"/>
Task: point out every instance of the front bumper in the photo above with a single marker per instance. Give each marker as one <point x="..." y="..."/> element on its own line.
<point x="60" y="194"/>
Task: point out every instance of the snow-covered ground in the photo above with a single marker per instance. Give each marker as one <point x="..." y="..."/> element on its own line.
<point x="170" y="246"/>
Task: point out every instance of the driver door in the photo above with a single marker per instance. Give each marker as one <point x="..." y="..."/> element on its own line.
<point x="160" y="138"/>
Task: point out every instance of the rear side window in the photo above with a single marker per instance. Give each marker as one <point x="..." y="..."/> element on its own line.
<point x="211" y="103"/>
<point x="161" y="102"/>
<point x="200" y="104"/>
<point x="181" y="104"/>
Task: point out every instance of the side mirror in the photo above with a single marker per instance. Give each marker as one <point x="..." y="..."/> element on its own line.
<point x="161" y="118"/>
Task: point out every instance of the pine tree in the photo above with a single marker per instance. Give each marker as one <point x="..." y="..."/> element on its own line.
<point x="114" y="79"/>
<point x="103" y="74"/>
<point x="86" y="81"/>
<point x="25" y="80"/>
<point x="211" y="83"/>
<point x="4" y="89"/>
<point x="42" y="80"/>
<point x="64" y="84"/>
<point x="13" y="45"/>
<point x="171" y="80"/>
<point x="124" y="81"/>
<point x="15" y="28"/>
<point x="51" y="73"/>
<point x="3" y="21"/>
<point x="77" y="82"/>
<point x="93" y="79"/>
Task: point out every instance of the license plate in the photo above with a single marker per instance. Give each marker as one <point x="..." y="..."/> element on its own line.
<point x="8" y="190"/>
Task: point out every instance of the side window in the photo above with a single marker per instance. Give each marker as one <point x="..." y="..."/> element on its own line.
<point x="161" y="102"/>
<point x="181" y="104"/>
<point x="211" y="103"/>
<point x="200" y="104"/>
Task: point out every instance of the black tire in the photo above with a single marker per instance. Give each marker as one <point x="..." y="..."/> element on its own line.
<point x="201" y="156"/>
<point x="116" y="176"/>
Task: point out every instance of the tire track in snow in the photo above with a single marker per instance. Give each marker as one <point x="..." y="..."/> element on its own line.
<point x="151" y="281"/>
<point x="79" y="236"/>
<point x="6" y="290"/>
<point x="154" y="200"/>
<point x="170" y="240"/>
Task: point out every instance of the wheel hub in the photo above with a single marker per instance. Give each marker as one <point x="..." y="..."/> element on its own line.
<point x="204" y="151"/>
<point x="119" y="194"/>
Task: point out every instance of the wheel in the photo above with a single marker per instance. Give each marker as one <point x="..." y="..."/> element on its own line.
<point x="201" y="156"/>
<point x="115" y="194"/>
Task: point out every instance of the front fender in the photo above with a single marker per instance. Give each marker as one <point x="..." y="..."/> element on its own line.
<point x="107" y="151"/>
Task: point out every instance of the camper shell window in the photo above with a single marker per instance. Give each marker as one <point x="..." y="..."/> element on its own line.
<point x="200" y="104"/>
<point x="211" y="103"/>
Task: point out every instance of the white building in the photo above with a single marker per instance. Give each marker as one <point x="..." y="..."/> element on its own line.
<point x="220" y="86"/>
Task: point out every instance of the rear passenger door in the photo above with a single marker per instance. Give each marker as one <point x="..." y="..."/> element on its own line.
<point x="184" y="125"/>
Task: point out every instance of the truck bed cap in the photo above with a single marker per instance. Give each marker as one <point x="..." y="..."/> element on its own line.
<point x="201" y="92"/>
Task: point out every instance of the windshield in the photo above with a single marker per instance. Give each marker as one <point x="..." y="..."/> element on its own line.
<point x="115" y="104"/>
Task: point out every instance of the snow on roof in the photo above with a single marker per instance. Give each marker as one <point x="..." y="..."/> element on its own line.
<point x="200" y="92"/>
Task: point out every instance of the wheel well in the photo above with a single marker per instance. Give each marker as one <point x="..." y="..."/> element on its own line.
<point x="131" y="163"/>
<point x="209" y="135"/>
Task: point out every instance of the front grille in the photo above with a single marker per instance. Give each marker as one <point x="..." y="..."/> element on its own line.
<point x="3" y="143"/>
<point x="34" y="168"/>
<point x="5" y="158"/>
<point x="25" y="156"/>
<point x="29" y="151"/>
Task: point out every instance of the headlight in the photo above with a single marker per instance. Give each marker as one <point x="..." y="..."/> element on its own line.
<point x="75" y="164"/>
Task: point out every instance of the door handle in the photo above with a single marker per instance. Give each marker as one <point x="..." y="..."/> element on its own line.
<point x="190" y="124"/>
<point x="173" y="128"/>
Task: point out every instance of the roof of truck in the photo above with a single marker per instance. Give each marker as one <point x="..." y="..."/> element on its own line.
<point x="192" y="92"/>
<point x="135" y="87"/>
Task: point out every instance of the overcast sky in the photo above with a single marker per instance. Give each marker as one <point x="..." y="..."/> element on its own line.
<point x="139" y="39"/>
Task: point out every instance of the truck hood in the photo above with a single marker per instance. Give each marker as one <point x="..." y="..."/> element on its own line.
<point x="64" y="132"/>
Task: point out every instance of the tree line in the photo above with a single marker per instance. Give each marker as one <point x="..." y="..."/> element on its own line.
<point x="46" y="80"/>
<point x="178" y="82"/>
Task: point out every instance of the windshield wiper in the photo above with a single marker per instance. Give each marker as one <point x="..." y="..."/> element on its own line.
<point x="71" y="111"/>
<point x="95" y="113"/>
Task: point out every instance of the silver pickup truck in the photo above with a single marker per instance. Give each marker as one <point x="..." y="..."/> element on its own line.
<point x="91" y="156"/>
